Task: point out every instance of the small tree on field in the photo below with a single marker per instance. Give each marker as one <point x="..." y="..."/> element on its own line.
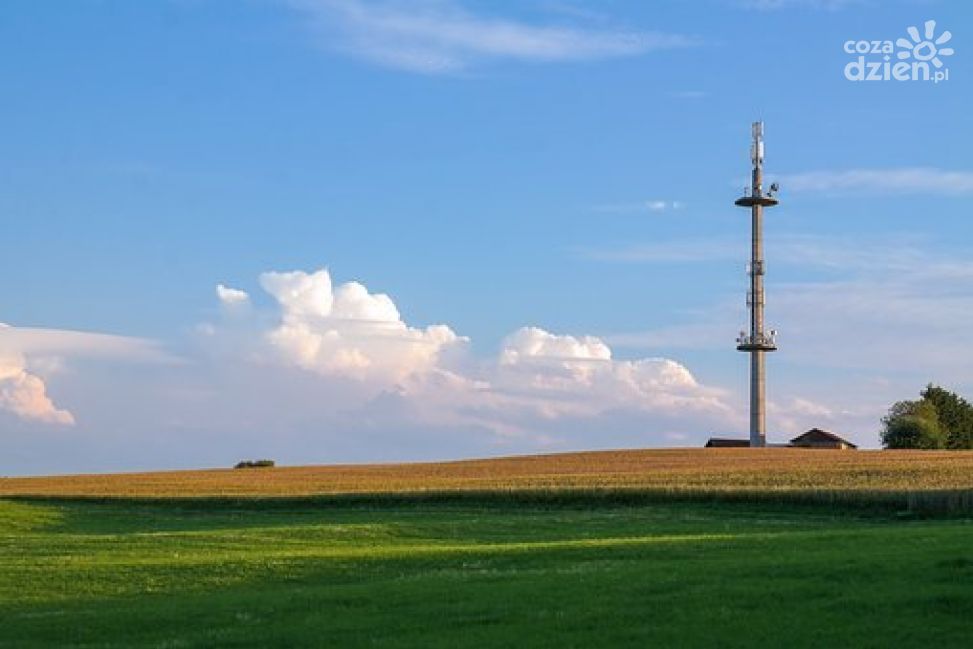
<point x="913" y="424"/>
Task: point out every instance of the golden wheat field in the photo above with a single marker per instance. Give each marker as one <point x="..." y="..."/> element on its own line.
<point x="670" y="470"/>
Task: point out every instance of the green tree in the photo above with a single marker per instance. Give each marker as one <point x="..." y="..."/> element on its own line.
<point x="912" y="424"/>
<point x="955" y="415"/>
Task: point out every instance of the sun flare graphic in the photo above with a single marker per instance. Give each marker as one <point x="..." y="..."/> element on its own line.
<point x="925" y="48"/>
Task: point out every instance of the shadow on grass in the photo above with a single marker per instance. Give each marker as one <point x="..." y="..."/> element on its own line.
<point x="127" y="515"/>
<point x="838" y="502"/>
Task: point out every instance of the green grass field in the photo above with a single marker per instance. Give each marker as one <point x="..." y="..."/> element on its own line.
<point x="332" y="573"/>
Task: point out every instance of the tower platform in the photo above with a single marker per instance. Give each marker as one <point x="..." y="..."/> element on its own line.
<point x="756" y="347"/>
<point x="759" y="343"/>
<point x="750" y="201"/>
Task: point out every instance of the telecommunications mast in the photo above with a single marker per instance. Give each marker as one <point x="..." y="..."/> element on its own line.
<point x="758" y="341"/>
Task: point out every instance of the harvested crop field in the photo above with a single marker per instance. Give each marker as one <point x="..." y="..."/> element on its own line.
<point x="802" y="473"/>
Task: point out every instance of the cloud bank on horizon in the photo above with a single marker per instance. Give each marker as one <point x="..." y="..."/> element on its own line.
<point x="352" y="350"/>
<point x="348" y="333"/>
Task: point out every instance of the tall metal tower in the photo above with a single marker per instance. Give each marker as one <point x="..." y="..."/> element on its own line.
<point x="758" y="341"/>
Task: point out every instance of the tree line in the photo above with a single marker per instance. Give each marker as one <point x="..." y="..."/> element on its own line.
<point x="938" y="419"/>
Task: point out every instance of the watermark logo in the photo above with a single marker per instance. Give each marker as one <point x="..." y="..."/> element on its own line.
<point x="920" y="57"/>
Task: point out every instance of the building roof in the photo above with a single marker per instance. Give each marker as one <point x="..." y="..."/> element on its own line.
<point x="822" y="434"/>
<point x="727" y="442"/>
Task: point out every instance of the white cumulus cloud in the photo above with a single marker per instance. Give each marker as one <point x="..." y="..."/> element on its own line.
<point x="533" y="343"/>
<point x="25" y="395"/>
<point x="346" y="330"/>
<point x="578" y="376"/>
<point x="231" y="297"/>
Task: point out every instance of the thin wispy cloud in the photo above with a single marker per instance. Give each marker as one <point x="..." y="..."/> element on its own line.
<point x="61" y="342"/>
<point x="688" y="94"/>
<point x="661" y="252"/>
<point x="440" y="36"/>
<point x="695" y="335"/>
<point x="907" y="180"/>
<point x="898" y="297"/>
<point x="808" y="252"/>
<point x="889" y="308"/>
<point x="653" y="205"/>
<point x="662" y="206"/>
<point x="774" y="5"/>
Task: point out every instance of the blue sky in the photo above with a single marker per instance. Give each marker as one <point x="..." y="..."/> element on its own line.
<point x="489" y="166"/>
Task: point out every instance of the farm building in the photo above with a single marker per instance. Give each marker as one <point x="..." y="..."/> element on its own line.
<point x="817" y="438"/>
<point x="814" y="438"/>
<point x="726" y="442"/>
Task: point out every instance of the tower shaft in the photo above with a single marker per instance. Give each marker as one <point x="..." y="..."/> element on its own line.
<point x="757" y="342"/>
<point x="758" y="396"/>
<point x="758" y="366"/>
